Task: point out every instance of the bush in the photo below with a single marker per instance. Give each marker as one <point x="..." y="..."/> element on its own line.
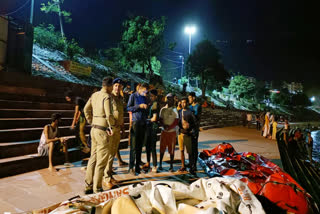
<point x="73" y="49"/>
<point x="47" y="37"/>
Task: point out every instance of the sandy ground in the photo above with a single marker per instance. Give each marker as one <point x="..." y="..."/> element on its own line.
<point x="42" y="188"/>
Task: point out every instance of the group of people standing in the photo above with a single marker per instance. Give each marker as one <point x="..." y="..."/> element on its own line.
<point x="105" y="112"/>
<point x="266" y="122"/>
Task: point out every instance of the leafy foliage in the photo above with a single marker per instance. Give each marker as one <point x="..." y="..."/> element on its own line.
<point x="260" y="92"/>
<point x="282" y="98"/>
<point x="73" y="49"/>
<point x="46" y="36"/>
<point x="300" y="99"/>
<point x="53" y="6"/>
<point x="241" y="87"/>
<point x="205" y="62"/>
<point x="142" y="40"/>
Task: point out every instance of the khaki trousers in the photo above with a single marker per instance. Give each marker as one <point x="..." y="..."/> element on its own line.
<point x="115" y="141"/>
<point x="100" y="163"/>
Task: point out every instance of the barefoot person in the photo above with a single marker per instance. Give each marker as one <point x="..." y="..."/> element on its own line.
<point x="50" y="142"/>
<point x="79" y="121"/>
<point x="169" y="120"/>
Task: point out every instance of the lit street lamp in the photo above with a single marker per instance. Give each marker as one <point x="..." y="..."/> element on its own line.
<point x="190" y="30"/>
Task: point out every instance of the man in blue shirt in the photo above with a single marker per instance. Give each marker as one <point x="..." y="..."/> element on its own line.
<point x="138" y="105"/>
<point x="196" y="109"/>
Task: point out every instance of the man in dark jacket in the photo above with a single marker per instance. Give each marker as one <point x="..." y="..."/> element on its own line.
<point x="138" y="105"/>
<point x="187" y="126"/>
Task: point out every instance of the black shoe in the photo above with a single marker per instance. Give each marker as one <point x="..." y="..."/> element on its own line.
<point x="88" y="191"/>
<point x="142" y="163"/>
<point x="121" y="164"/>
<point x="99" y="190"/>
<point x="160" y="168"/>
<point x="193" y="172"/>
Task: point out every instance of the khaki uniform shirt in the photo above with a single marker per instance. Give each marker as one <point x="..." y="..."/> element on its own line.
<point x="118" y="109"/>
<point x="98" y="110"/>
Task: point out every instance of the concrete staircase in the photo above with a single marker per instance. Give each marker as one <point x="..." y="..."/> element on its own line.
<point x="26" y="104"/>
<point x="218" y="118"/>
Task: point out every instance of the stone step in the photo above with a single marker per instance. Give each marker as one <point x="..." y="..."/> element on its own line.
<point x="26" y="163"/>
<point x="13" y="149"/>
<point x="36" y="113"/>
<point x="33" y="113"/>
<point x="27" y="134"/>
<point x="16" y="123"/>
<point x="32" y="98"/>
<point x="7" y="104"/>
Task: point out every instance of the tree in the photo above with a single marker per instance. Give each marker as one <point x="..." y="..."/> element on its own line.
<point x="242" y="87"/>
<point x="260" y="91"/>
<point x="300" y="99"/>
<point x="116" y="60"/>
<point x="205" y="62"/>
<point x="282" y="98"/>
<point x="142" y="40"/>
<point x="54" y="6"/>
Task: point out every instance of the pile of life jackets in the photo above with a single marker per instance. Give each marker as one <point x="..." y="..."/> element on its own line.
<point x="265" y="179"/>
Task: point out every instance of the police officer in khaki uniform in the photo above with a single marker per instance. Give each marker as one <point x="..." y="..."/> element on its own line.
<point x="99" y="113"/>
<point x="118" y="111"/>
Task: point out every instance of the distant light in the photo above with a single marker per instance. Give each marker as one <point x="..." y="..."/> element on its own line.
<point x="190" y="29"/>
<point x="275" y="91"/>
<point x="313" y="99"/>
<point x="21" y="33"/>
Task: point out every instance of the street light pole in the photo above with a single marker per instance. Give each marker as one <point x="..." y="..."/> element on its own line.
<point x="189" y="43"/>
<point x="182" y="63"/>
<point x="31" y="12"/>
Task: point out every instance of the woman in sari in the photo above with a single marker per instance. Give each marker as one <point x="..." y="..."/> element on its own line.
<point x="266" y="125"/>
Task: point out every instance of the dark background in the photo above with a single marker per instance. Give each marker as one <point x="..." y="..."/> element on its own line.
<point x="274" y="39"/>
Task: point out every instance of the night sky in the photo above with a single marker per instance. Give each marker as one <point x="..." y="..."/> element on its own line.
<point x="274" y="39"/>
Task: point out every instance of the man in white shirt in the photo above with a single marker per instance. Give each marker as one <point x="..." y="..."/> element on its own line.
<point x="169" y="120"/>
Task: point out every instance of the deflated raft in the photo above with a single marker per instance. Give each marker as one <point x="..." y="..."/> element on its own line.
<point x="215" y="195"/>
<point x="277" y="191"/>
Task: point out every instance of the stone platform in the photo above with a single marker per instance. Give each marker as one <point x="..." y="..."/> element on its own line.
<point x="41" y="188"/>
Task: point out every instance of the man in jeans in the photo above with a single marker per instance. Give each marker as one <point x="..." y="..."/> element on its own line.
<point x="195" y="108"/>
<point x="151" y="132"/>
<point x="187" y="125"/>
<point x="138" y="105"/>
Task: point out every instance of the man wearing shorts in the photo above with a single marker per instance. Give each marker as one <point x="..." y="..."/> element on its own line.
<point x="50" y="142"/>
<point x="169" y="120"/>
<point x="187" y="125"/>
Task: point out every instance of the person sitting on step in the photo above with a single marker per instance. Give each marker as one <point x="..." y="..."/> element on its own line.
<point x="50" y="142"/>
